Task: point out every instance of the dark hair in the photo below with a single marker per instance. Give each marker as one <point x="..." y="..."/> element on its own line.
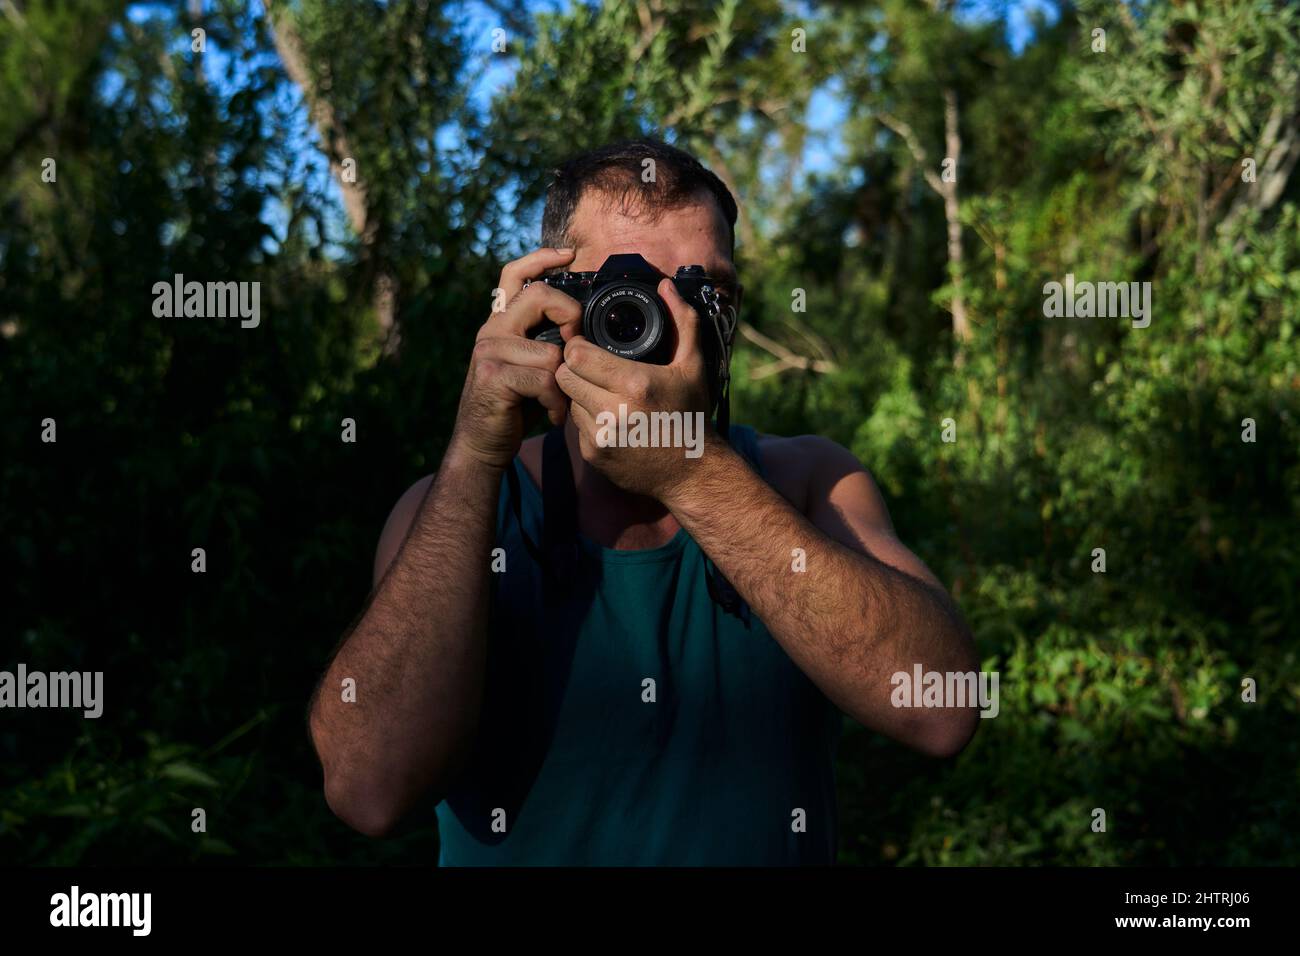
<point x="616" y="170"/>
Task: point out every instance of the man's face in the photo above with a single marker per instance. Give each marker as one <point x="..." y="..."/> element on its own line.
<point x="695" y="234"/>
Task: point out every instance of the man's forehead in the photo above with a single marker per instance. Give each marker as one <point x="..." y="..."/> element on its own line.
<point x="694" y="233"/>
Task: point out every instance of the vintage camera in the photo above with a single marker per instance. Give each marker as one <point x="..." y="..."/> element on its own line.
<point x="625" y="315"/>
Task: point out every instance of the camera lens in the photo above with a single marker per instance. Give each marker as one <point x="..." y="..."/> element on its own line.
<point x="627" y="319"/>
<point x="625" y="323"/>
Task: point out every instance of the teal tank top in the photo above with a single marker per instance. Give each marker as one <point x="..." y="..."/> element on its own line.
<point x="635" y="723"/>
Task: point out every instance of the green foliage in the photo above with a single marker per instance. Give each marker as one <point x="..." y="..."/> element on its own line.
<point x="1119" y="690"/>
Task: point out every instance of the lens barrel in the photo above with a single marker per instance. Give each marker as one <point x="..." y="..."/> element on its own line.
<point x="628" y="319"/>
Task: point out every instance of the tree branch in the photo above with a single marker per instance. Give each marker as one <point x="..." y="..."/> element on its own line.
<point x="785" y="358"/>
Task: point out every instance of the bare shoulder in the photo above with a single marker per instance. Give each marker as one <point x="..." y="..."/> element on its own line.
<point x="805" y="467"/>
<point x="801" y="447"/>
<point x="398" y="524"/>
<point x="826" y="482"/>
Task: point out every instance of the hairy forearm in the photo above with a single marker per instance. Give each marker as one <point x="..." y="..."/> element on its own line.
<point x="416" y="655"/>
<point x="848" y="620"/>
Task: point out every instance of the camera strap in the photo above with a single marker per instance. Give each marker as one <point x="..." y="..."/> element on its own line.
<point x="559" y="555"/>
<point x="724" y="322"/>
<point x="559" y="507"/>
<point x="720" y="589"/>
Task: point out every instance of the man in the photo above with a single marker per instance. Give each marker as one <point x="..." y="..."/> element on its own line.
<point x="632" y="717"/>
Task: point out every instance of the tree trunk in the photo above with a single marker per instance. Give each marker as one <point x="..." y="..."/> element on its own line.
<point x="335" y="145"/>
<point x="947" y="191"/>
<point x="952" y="213"/>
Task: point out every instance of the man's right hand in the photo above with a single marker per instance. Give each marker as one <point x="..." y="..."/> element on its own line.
<point x="507" y="368"/>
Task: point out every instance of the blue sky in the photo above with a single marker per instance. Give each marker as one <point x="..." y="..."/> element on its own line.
<point x="828" y="109"/>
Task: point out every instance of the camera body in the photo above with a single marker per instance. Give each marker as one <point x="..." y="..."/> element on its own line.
<point x="623" y="313"/>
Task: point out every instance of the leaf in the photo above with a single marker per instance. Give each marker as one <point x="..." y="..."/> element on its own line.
<point x="218" y="847"/>
<point x="188" y="773"/>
